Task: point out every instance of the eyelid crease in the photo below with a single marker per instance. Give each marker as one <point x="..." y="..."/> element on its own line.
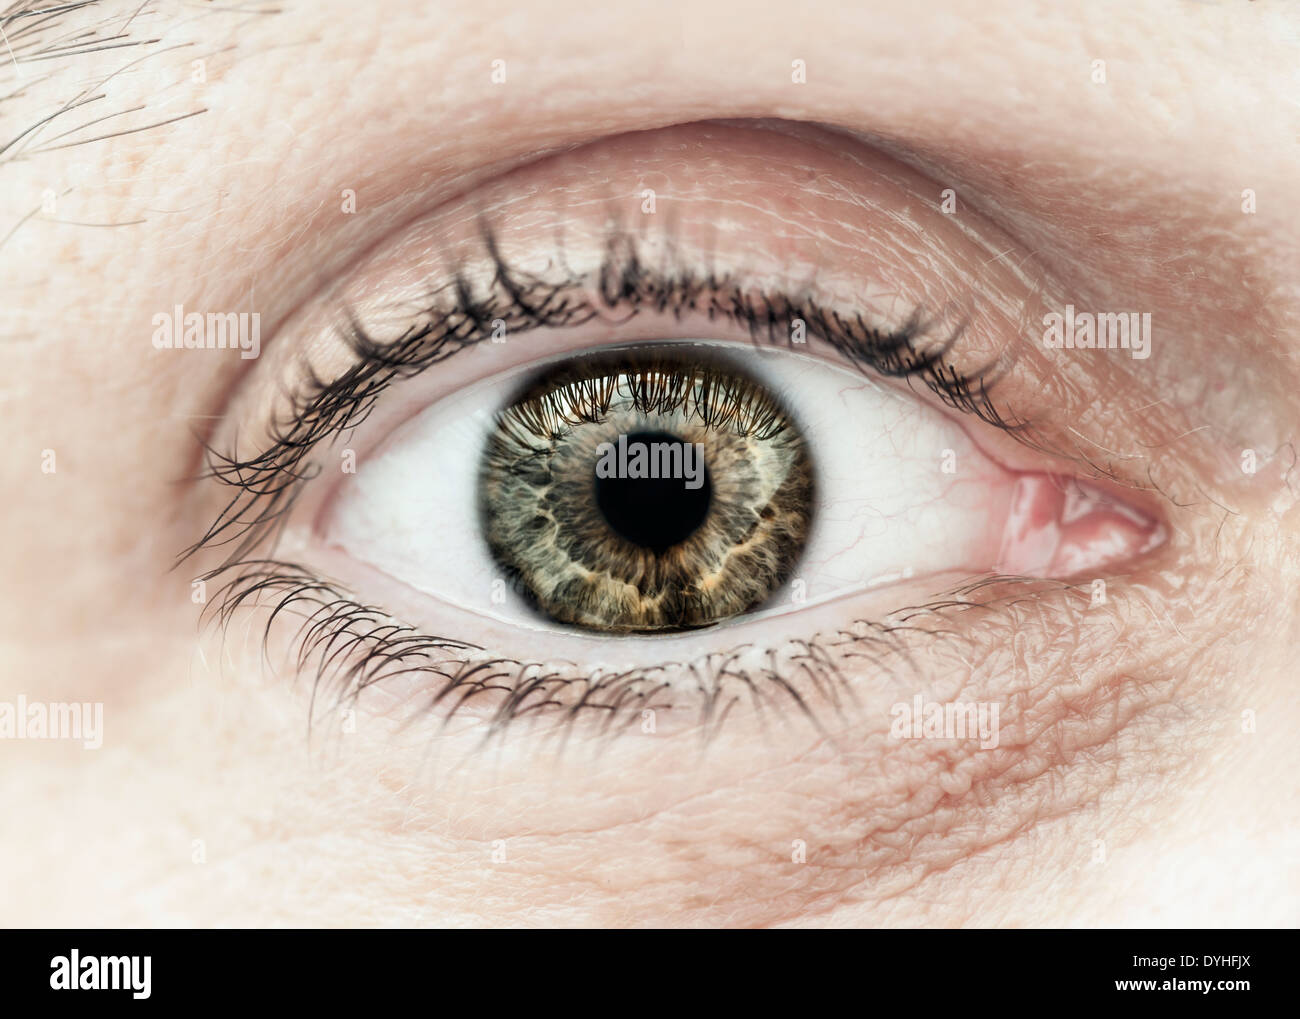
<point x="267" y="483"/>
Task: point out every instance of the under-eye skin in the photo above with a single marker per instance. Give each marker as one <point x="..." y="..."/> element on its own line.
<point x="649" y="490"/>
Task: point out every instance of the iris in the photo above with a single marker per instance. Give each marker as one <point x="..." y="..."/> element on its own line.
<point x="645" y="490"/>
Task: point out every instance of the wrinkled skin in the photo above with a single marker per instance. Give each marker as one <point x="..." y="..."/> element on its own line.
<point x="1147" y="766"/>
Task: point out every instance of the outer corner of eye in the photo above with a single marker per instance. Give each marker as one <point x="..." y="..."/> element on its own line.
<point x="664" y="489"/>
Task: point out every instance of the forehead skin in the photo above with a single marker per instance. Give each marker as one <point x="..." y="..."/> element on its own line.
<point x="1131" y="188"/>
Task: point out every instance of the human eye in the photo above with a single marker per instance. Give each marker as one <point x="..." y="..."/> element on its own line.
<point x="964" y="625"/>
<point x="435" y="485"/>
<point x="663" y="488"/>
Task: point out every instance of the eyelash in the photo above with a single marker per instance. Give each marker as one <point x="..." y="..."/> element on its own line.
<point x="351" y="647"/>
<point x="356" y="645"/>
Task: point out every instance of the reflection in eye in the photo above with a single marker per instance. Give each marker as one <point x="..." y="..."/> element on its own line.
<point x="647" y="491"/>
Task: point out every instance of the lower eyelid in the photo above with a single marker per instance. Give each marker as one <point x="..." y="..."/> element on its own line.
<point x="817" y="682"/>
<point x="357" y="654"/>
<point x="876" y="804"/>
<point x="821" y="661"/>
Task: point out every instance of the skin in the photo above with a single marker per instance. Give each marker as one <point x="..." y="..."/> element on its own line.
<point x="1128" y="787"/>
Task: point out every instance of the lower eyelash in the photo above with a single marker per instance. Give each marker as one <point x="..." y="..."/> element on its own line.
<point x="347" y="647"/>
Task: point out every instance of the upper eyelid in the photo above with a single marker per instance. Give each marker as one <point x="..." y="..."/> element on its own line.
<point x="873" y="194"/>
<point x="323" y="408"/>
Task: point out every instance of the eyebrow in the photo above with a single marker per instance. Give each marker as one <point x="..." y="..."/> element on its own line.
<point x="31" y="33"/>
<point x="66" y="102"/>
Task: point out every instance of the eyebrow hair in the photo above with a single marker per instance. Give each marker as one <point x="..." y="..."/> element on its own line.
<point x="74" y="108"/>
<point x="33" y="32"/>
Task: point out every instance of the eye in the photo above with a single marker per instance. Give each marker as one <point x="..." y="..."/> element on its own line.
<point x="827" y="365"/>
<point x="790" y="480"/>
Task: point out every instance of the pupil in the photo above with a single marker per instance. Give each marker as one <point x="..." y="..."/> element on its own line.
<point x="654" y="512"/>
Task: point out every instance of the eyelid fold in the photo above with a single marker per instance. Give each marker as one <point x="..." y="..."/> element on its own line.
<point x="782" y="216"/>
<point x="811" y="220"/>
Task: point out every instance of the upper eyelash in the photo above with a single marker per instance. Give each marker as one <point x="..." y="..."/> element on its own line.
<point x="267" y="483"/>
